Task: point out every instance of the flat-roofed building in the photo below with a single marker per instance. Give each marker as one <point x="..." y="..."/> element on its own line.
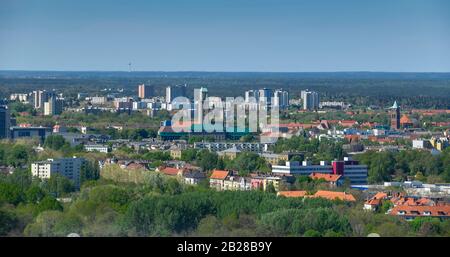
<point x="145" y="91"/>
<point x="67" y="167"/>
<point x="348" y="169"/>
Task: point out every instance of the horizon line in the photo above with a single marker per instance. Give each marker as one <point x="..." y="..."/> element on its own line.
<point x="219" y="71"/>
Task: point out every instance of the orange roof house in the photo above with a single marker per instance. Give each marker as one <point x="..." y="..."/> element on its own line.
<point x="348" y="123"/>
<point x="374" y="202"/>
<point x="292" y="193"/>
<point x="380" y="195"/>
<point x="171" y="171"/>
<point x="416" y="211"/>
<point x="219" y="174"/>
<point x="326" y="177"/>
<point x="331" y="195"/>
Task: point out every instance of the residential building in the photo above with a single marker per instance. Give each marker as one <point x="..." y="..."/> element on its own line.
<point x="145" y="91"/>
<point x="175" y="152"/>
<point x="82" y="96"/>
<point x="230" y="153"/>
<point x="330" y="195"/>
<point x="297" y="193"/>
<point x="170" y="171"/>
<point x="262" y="181"/>
<point x="99" y="100"/>
<point x="241" y="146"/>
<point x="217" y="179"/>
<point x="53" y="106"/>
<point x="193" y="177"/>
<point x="251" y="96"/>
<point x="28" y="131"/>
<point x="281" y="98"/>
<point x="265" y="97"/>
<point x="96" y="148"/>
<point x="123" y="104"/>
<point x="5" y="122"/>
<point x="410" y="212"/>
<point x="310" y="100"/>
<point x="421" y="144"/>
<point x="375" y="202"/>
<point x="19" y="97"/>
<point x="173" y="92"/>
<point x="235" y="182"/>
<point x="40" y="97"/>
<point x="439" y="143"/>
<point x="333" y="180"/>
<point x="67" y="167"/>
<point x="333" y="105"/>
<point x="275" y="159"/>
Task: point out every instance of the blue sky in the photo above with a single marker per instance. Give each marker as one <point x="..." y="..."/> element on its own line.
<point x="225" y="35"/>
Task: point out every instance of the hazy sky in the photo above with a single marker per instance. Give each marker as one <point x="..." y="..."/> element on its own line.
<point x="225" y="35"/>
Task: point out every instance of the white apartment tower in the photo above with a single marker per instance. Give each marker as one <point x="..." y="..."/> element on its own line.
<point x="310" y="100"/>
<point x="281" y="98"/>
<point x="173" y="92"/>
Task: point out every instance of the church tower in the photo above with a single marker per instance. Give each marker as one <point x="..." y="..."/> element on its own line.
<point x="395" y="116"/>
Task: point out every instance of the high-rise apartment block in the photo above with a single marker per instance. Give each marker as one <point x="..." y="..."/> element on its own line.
<point x="310" y="100"/>
<point x="145" y="91"/>
<point x="281" y="99"/>
<point x="265" y="96"/>
<point x="53" y="106"/>
<point x="39" y="97"/>
<point x="173" y="92"/>
<point x="4" y="122"/>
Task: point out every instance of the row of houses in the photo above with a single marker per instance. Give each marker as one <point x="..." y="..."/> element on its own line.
<point x="409" y="207"/>
<point x="230" y="180"/>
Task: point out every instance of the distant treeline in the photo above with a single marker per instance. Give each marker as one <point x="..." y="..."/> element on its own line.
<point x="416" y="90"/>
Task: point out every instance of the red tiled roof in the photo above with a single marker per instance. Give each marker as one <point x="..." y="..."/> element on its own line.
<point x="170" y="171"/>
<point x="327" y="177"/>
<point x="434" y="211"/>
<point x="373" y="201"/>
<point x="380" y="195"/>
<point x="292" y="193"/>
<point x="135" y="166"/>
<point x="219" y="174"/>
<point x="405" y="119"/>
<point x="409" y="201"/>
<point x="331" y="195"/>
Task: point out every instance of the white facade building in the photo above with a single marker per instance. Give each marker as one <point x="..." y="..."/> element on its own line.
<point x="67" y="167"/>
<point x="96" y="148"/>
<point x="356" y="173"/>
<point x="281" y="98"/>
<point x="310" y="100"/>
<point x="221" y="146"/>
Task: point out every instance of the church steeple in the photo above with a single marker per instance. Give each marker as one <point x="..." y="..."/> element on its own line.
<point x="395" y="116"/>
